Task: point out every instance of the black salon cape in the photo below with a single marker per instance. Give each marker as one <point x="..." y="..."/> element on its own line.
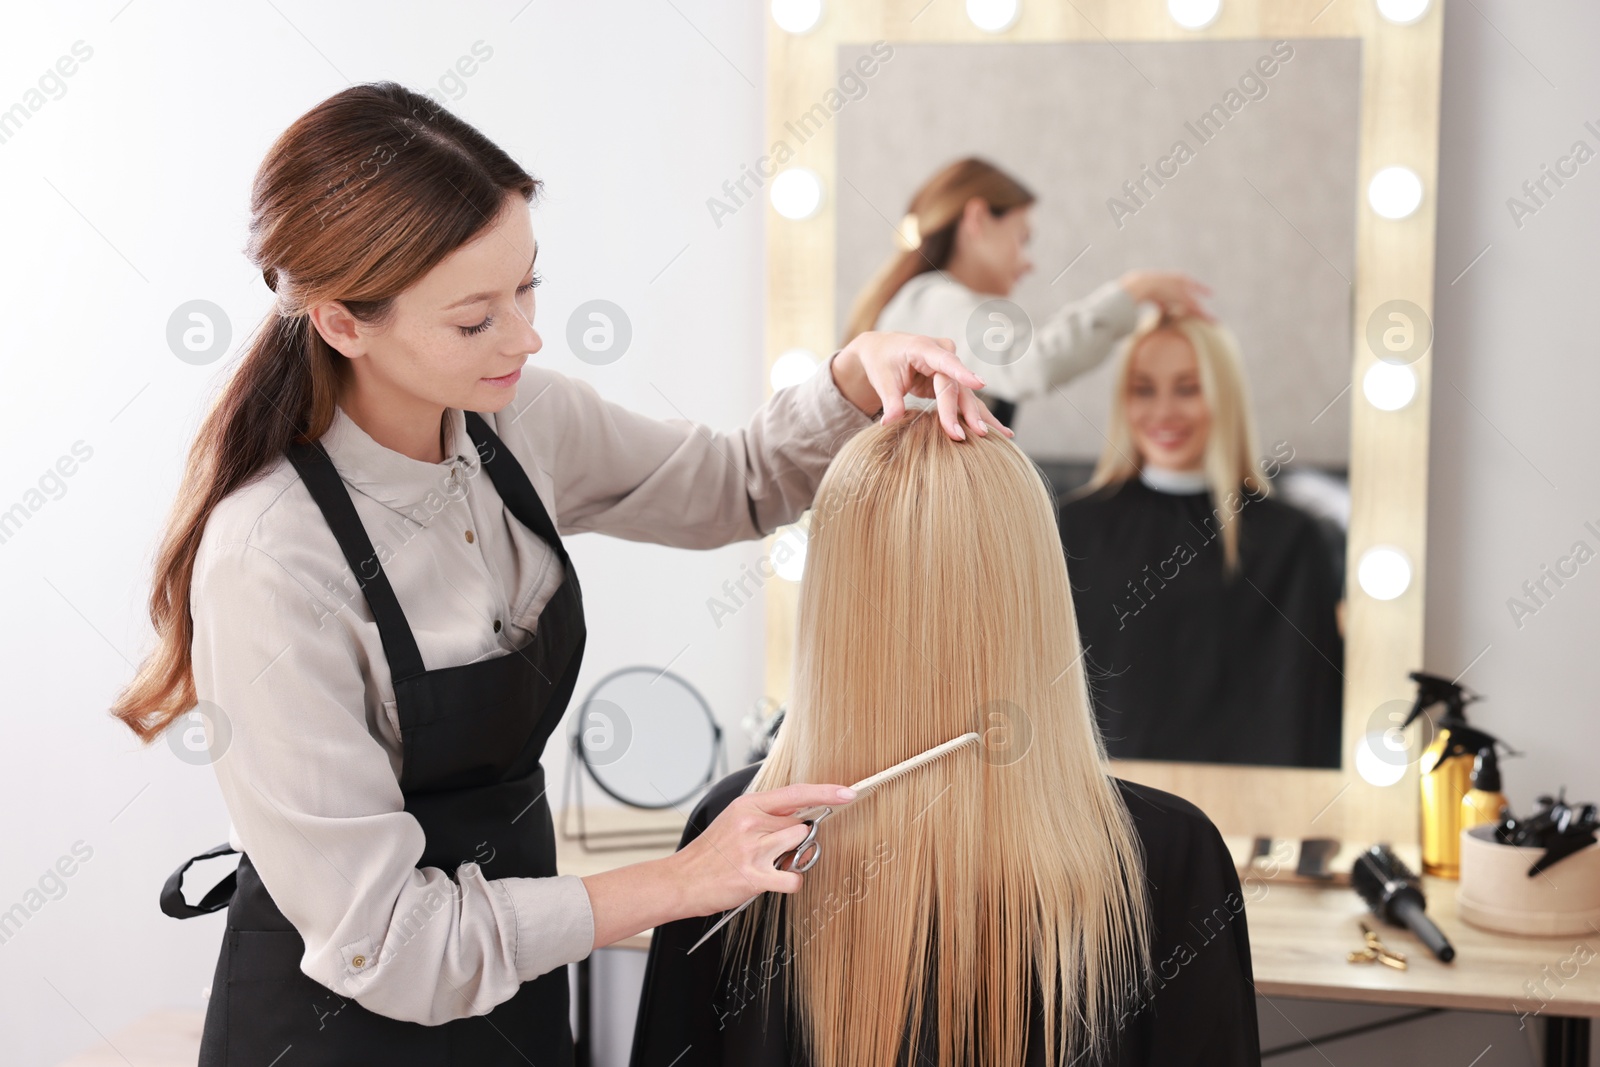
<point x="1193" y="668"/>
<point x="1201" y="1011"/>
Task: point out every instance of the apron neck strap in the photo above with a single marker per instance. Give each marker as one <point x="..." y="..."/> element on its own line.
<point x="327" y="489"/>
<point x="511" y="482"/>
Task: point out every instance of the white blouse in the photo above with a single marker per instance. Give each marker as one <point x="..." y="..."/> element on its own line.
<point x="286" y="647"/>
<point x="1074" y="339"/>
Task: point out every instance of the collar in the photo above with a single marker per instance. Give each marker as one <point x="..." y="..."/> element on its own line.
<point x="1169" y="481"/>
<point x="410" y="487"/>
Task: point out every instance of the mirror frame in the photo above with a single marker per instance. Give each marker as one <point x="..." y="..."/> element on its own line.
<point x="1388" y="449"/>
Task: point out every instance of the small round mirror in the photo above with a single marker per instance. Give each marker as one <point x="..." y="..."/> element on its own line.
<point x="647" y="738"/>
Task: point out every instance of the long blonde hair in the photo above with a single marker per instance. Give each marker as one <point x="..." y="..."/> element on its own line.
<point x="1231" y="446"/>
<point x="935" y="601"/>
<point x="927" y="235"/>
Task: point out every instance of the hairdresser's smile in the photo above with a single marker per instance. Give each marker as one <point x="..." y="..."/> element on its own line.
<point x="505" y="380"/>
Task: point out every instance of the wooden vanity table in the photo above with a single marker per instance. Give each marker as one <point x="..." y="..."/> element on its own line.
<point x="1299" y="936"/>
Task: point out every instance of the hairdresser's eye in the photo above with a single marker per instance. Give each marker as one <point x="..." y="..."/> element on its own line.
<point x="472" y="331"/>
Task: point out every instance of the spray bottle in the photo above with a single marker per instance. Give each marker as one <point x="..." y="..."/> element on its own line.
<point x="1446" y="770"/>
<point x="1485" y="803"/>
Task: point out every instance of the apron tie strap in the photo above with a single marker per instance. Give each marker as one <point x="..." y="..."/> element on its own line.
<point x="216" y="897"/>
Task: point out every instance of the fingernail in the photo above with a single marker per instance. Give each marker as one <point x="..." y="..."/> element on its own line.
<point x="846" y="793"/>
<point x="961" y="435"/>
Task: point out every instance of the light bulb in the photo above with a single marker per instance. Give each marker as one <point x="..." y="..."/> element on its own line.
<point x="1383" y="572"/>
<point x="797" y="193"/>
<point x="1395" y="192"/>
<point x="1402" y="12"/>
<point x="792" y="368"/>
<point x="797" y="16"/>
<point x="1378" y="761"/>
<point x="993" y="16"/>
<point x="1388" y="386"/>
<point x="1194" y="14"/>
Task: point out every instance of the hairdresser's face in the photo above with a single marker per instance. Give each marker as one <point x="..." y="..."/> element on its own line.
<point x="1167" y="412"/>
<point x="461" y="326"/>
<point x="995" y="249"/>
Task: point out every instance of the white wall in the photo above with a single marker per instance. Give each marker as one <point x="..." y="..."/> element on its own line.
<point x="1515" y="376"/>
<point x="127" y="196"/>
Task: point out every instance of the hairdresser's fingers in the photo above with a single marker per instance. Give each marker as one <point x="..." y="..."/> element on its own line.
<point x="948" y="394"/>
<point x="785" y="800"/>
<point x="732" y="860"/>
<point x="885" y="373"/>
<point x="896" y="363"/>
<point x="1182" y="295"/>
<point x="1190" y="305"/>
<point x="774" y="847"/>
<point x="978" y="415"/>
<point x="932" y="356"/>
<point x="887" y="368"/>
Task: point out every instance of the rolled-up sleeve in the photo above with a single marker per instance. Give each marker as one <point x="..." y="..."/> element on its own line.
<point x="315" y="804"/>
<point x="675" y="481"/>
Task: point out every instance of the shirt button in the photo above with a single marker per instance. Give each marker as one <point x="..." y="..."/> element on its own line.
<point x="469" y="537"/>
<point x="359" y="961"/>
<point x="497" y="626"/>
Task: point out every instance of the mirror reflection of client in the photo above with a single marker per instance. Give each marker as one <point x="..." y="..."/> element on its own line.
<point x="962" y="245"/>
<point x="945" y="901"/>
<point x="1207" y="608"/>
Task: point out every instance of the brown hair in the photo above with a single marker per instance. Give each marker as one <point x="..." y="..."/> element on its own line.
<point x="932" y="219"/>
<point x="355" y="201"/>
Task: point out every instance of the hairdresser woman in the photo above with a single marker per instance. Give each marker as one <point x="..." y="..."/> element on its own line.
<point x="963" y="244"/>
<point x="381" y="639"/>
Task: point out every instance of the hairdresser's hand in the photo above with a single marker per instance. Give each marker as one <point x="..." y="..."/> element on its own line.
<point x="733" y="859"/>
<point x="877" y="369"/>
<point x="1175" y="293"/>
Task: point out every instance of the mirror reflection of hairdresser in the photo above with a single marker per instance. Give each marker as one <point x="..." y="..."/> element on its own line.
<point x="1209" y="609"/>
<point x="963" y="242"/>
<point x="945" y="903"/>
<point x="365" y="591"/>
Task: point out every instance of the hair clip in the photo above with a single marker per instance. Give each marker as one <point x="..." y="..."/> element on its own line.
<point x="909" y="236"/>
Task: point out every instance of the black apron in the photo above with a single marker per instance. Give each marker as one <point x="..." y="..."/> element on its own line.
<point x="472" y="736"/>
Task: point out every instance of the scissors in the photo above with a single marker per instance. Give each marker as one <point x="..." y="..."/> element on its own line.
<point x="809" y="848"/>
<point x="1376" y="950"/>
<point x="804" y="855"/>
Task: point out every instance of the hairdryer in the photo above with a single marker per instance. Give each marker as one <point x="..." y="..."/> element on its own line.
<point x="1395" y="895"/>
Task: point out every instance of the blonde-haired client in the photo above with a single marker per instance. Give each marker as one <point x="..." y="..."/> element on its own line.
<point x="1012" y="903"/>
<point x="1208" y="607"/>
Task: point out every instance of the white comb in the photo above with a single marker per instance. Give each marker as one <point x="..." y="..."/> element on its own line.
<point x="904" y="767"/>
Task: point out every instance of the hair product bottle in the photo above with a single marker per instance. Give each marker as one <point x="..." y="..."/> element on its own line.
<point x="1446" y="771"/>
<point x="1484" y="803"/>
